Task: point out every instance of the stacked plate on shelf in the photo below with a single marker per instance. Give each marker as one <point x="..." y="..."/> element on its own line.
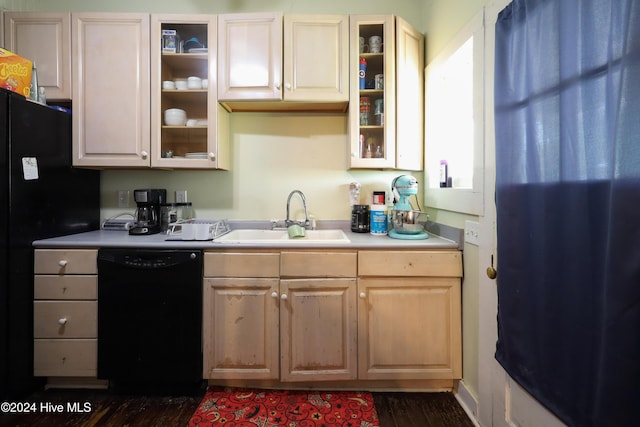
<point x="196" y="155"/>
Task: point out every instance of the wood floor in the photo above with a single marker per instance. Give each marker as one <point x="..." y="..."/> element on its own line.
<point x="108" y="409"/>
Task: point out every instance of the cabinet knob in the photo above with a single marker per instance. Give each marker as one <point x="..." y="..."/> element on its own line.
<point x="287" y="86"/>
<point x="62" y="321"/>
<point x="277" y="86"/>
<point x="62" y="263"/>
<point x="212" y="156"/>
<point x="144" y="154"/>
<point x="274" y="294"/>
<point x="363" y="295"/>
<point x="283" y="297"/>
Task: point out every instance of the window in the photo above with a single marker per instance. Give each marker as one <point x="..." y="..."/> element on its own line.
<point x="454" y="122"/>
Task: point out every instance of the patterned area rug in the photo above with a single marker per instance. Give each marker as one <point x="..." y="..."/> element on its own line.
<point x="239" y="407"/>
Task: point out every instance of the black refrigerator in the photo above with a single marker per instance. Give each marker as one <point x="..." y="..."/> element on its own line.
<point x="41" y="196"/>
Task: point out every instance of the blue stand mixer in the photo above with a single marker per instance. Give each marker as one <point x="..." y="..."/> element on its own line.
<point x="404" y="219"/>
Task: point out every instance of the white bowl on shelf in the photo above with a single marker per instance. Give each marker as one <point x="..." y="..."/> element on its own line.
<point x="175" y="117"/>
<point x="194" y="83"/>
<point x="168" y="85"/>
<point x="181" y="84"/>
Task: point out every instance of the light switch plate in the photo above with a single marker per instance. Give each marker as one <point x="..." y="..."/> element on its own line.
<point x="472" y="233"/>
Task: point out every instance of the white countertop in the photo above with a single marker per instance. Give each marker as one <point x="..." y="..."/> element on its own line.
<point x="103" y="239"/>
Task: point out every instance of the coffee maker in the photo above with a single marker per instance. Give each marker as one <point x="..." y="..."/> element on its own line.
<point x="148" y="217"/>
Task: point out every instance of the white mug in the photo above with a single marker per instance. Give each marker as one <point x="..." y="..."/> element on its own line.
<point x="364" y="48"/>
<point x="375" y="44"/>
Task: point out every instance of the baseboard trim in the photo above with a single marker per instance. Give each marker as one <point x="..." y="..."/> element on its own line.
<point x="467" y="400"/>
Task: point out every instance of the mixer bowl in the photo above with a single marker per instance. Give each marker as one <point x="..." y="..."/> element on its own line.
<point x="406" y="222"/>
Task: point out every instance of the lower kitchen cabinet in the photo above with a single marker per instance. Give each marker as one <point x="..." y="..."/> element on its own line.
<point x="65" y="313"/>
<point x="318" y="333"/>
<point x="284" y="327"/>
<point x="241" y="315"/>
<point x="409" y="315"/>
<point x="241" y="328"/>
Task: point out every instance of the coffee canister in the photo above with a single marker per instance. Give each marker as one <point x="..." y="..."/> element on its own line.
<point x="378" y="220"/>
<point x="360" y="218"/>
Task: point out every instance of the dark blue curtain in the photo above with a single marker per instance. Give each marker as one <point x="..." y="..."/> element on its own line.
<point x="567" y="111"/>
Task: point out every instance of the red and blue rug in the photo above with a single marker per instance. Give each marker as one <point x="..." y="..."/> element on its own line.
<point x="242" y="407"/>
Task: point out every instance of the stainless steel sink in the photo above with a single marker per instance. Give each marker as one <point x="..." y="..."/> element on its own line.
<point x="282" y="237"/>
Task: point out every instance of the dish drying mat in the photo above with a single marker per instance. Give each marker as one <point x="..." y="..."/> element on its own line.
<point x="218" y="227"/>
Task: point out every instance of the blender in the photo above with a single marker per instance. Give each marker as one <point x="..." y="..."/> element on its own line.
<point x="404" y="219"/>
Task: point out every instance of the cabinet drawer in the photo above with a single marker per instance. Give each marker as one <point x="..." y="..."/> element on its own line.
<point x="65" y="287"/>
<point x="65" y="319"/>
<point x="66" y="261"/>
<point x="410" y="263"/>
<point x="319" y="264"/>
<point x="242" y="264"/>
<point x="65" y="358"/>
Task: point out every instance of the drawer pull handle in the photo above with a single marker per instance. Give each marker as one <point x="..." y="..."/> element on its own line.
<point x="283" y="297"/>
<point x="363" y="295"/>
<point x="62" y="263"/>
<point x="62" y="321"/>
<point x="274" y="294"/>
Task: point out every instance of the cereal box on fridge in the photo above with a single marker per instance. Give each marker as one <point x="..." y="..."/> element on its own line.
<point x="15" y="72"/>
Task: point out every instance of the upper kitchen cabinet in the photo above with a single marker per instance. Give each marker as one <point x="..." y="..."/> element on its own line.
<point x="271" y="62"/>
<point x="44" y="38"/>
<point x="111" y="124"/>
<point x="183" y="76"/>
<point x="386" y="113"/>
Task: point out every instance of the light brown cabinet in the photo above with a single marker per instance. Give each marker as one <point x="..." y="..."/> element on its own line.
<point x="285" y="63"/>
<point x="409" y="315"/>
<point x="385" y="118"/>
<point x="282" y="327"/>
<point x="65" y="313"/>
<point x="203" y="142"/>
<point x="318" y="316"/>
<point x="45" y="38"/>
<point x="111" y="92"/>
<point x="241" y="315"/>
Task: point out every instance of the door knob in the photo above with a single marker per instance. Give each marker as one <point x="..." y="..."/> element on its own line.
<point x="492" y="273"/>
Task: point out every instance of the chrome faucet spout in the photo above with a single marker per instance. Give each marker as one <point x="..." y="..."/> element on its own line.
<point x="288" y="222"/>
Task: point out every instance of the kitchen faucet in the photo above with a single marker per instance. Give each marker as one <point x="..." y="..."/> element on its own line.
<point x="288" y="222"/>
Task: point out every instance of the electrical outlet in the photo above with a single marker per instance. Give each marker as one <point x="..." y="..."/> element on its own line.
<point x="472" y="233"/>
<point x="181" y="196"/>
<point x="123" y="198"/>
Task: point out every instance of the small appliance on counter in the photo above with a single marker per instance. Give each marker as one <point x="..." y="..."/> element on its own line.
<point x="404" y="222"/>
<point x="359" y="213"/>
<point x="148" y="218"/>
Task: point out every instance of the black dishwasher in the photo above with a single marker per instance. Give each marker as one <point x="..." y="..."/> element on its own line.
<point x="150" y="318"/>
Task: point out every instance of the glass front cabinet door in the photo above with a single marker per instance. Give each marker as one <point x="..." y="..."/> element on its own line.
<point x="188" y="128"/>
<point x="381" y="55"/>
